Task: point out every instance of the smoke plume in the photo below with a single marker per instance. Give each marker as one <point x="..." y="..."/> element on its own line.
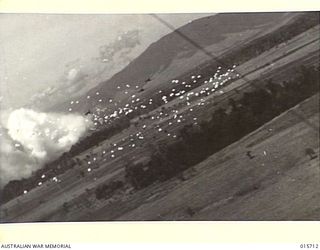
<point x="29" y="139"/>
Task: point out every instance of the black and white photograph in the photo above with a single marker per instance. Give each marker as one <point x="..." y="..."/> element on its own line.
<point x="159" y="117"/>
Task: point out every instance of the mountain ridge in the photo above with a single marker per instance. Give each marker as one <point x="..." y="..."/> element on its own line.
<point x="159" y="56"/>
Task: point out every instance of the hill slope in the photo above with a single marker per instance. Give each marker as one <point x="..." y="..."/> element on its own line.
<point x="173" y="55"/>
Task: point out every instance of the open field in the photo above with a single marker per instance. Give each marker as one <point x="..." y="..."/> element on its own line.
<point x="280" y="183"/>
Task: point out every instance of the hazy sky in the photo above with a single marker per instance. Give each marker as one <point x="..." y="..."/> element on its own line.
<point x="35" y="48"/>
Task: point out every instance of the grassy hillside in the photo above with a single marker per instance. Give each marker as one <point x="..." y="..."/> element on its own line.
<point x="157" y="64"/>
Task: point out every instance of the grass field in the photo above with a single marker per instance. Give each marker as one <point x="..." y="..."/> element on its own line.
<point x="279" y="183"/>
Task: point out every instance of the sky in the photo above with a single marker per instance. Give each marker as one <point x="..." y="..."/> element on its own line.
<point x="38" y="49"/>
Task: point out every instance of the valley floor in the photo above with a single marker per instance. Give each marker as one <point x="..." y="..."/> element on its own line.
<point x="281" y="182"/>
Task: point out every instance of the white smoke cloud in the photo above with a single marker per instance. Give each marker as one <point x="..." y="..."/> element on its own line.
<point x="29" y="139"/>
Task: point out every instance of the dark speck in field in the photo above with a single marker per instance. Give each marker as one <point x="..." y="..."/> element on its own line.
<point x="190" y="211"/>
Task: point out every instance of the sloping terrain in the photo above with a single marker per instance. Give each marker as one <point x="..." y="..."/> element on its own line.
<point x="280" y="183"/>
<point x="173" y="55"/>
<point x="226" y="181"/>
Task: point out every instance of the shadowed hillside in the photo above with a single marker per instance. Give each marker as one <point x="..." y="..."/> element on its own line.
<point x="160" y="56"/>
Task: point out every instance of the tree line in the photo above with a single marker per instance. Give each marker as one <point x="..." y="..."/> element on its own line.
<point x="251" y="111"/>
